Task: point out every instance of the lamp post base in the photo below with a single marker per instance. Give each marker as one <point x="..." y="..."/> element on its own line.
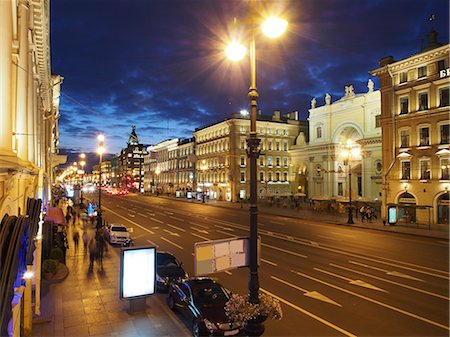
<point x="350" y="216"/>
<point x="255" y="327"/>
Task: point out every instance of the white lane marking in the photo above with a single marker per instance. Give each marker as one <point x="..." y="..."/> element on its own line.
<point x="155" y="227"/>
<point x="197" y="224"/>
<point x="172" y="243"/>
<point x="200" y="230"/>
<point x="167" y="212"/>
<point x="174" y="217"/>
<point x="407" y="313"/>
<point x="143" y="215"/>
<point x="269" y="262"/>
<point x="131" y="215"/>
<point x="283" y="250"/>
<point x="392" y="273"/>
<point x="310" y="314"/>
<point x="151" y="214"/>
<point x="201" y="237"/>
<point x="131" y="210"/>
<point x="228" y="272"/>
<point x="354" y="282"/>
<point x="180" y="229"/>
<point x="225" y="228"/>
<point x="154" y="219"/>
<point x="134" y="223"/>
<point x="222" y="232"/>
<point x="171" y="233"/>
<point x="152" y="243"/>
<point x="392" y="282"/>
<point x="312" y="294"/>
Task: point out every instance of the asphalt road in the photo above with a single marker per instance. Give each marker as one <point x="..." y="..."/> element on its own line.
<point x="331" y="280"/>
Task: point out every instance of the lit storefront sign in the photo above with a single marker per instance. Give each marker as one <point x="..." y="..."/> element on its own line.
<point x="444" y="73"/>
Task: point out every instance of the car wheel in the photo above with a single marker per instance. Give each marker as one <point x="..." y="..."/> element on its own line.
<point x="197" y="330"/>
<point x="171" y="302"/>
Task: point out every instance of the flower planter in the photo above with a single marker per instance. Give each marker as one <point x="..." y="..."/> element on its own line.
<point x="255" y="326"/>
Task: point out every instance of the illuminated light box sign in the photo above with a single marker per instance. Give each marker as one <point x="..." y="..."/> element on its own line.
<point x="220" y="255"/>
<point x="137" y="272"/>
<point x="392" y="215"/>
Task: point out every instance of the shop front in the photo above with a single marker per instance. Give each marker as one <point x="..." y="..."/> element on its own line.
<point x="442" y="209"/>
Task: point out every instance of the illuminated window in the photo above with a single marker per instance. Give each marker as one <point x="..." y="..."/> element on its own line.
<point x="242" y="177"/>
<point x="444" y="97"/>
<point x="425" y="169"/>
<point x="424" y="136"/>
<point x="445" y="169"/>
<point x="404" y="105"/>
<point x="261" y="176"/>
<point x="406" y="170"/>
<point x="445" y="134"/>
<point x="269" y="161"/>
<point x="423" y="101"/>
<point x="422" y="72"/>
<point x="319" y="132"/>
<point x="404" y="77"/>
<point x="285" y="174"/>
<point x="404" y="138"/>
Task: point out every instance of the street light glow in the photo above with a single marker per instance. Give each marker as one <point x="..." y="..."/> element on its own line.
<point x="101" y="138"/>
<point x="235" y="51"/>
<point x="244" y="112"/>
<point x="100" y="150"/>
<point x="274" y="27"/>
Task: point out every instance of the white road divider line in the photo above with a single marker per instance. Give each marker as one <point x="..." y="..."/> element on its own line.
<point x="172" y="243"/>
<point x="131" y="215"/>
<point x="134" y="223"/>
<point x="354" y="282"/>
<point x="143" y="215"/>
<point x="392" y="282"/>
<point x="392" y="273"/>
<point x="171" y="233"/>
<point x="310" y="314"/>
<point x="154" y="219"/>
<point x="222" y="232"/>
<point x="269" y="262"/>
<point x="228" y="272"/>
<point x="178" y="228"/>
<point x="201" y="237"/>
<point x="283" y="250"/>
<point x="152" y="243"/>
<point x="200" y="230"/>
<point x="407" y="313"/>
<point x="312" y="294"/>
<point x="197" y="224"/>
<point x="174" y="217"/>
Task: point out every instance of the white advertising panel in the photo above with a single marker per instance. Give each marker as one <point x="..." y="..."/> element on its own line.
<point x="137" y="272"/>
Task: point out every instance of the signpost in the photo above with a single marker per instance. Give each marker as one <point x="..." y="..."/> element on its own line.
<point x="137" y="275"/>
<point x="221" y="255"/>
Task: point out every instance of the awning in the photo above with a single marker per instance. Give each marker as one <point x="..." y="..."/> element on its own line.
<point x="56" y="215"/>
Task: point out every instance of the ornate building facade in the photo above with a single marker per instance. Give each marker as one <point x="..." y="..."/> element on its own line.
<point x="320" y="170"/>
<point x="416" y="143"/>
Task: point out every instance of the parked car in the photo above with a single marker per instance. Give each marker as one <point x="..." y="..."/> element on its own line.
<point x="168" y="270"/>
<point x="202" y="301"/>
<point x="117" y="234"/>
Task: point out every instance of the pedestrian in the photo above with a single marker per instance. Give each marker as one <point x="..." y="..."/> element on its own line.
<point x="76" y="237"/>
<point x="68" y="218"/>
<point x="85" y="238"/>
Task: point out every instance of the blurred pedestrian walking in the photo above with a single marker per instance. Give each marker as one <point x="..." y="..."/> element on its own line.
<point x="76" y="238"/>
<point x="85" y="238"/>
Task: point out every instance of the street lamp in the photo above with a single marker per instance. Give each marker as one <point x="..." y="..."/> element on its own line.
<point x="273" y="27"/>
<point x="100" y="151"/>
<point x="82" y="164"/>
<point x="348" y="153"/>
<point x="203" y="167"/>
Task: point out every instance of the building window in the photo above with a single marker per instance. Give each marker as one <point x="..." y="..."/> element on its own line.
<point x="277" y="146"/>
<point x="404" y="105"/>
<point x="284" y="132"/>
<point x="445" y="134"/>
<point x="277" y="131"/>
<point x="242" y="177"/>
<point x="441" y="65"/>
<point x="278" y="161"/>
<point x="269" y="146"/>
<point x="261" y="161"/>
<point x="242" y="144"/>
<point x="269" y="161"/>
<point x="423" y="101"/>
<point x="242" y="129"/>
<point x="285" y="174"/>
<point x="445" y="169"/>
<point x="340" y="189"/>
<point x="444" y="96"/>
<point x="425" y="170"/>
<point x="404" y="77"/>
<point x="269" y="131"/>
<point x="261" y="176"/>
<point x="285" y="162"/>
<point x="242" y="161"/>
<point x="424" y="136"/>
<point x="378" y="121"/>
<point x="319" y="132"/>
<point x="404" y="138"/>
<point x="261" y="131"/>
<point x="406" y="170"/>
<point x="378" y="167"/>
<point x="277" y="175"/>
<point x="270" y="176"/>
<point x="284" y="146"/>
<point x="422" y="72"/>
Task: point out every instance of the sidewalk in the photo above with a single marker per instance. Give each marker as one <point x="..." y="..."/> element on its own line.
<point x="86" y="304"/>
<point x="332" y="217"/>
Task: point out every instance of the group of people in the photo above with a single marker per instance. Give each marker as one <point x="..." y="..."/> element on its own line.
<point x="367" y="213"/>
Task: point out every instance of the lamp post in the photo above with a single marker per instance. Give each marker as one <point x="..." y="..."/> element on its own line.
<point x="82" y="164"/>
<point x="100" y="151"/>
<point x="272" y="27"/>
<point x="350" y="151"/>
<point x="203" y="168"/>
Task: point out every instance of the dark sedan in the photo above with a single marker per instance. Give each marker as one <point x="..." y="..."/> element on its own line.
<point x="202" y="301"/>
<point x="168" y="269"/>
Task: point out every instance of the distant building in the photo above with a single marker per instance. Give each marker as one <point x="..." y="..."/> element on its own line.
<point x="320" y="170"/>
<point x="129" y="173"/>
<point x="222" y="168"/>
<point x="415" y="125"/>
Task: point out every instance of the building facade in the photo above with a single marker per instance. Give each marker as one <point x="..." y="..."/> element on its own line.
<point x="320" y="171"/>
<point x="415" y="125"/>
<point x="222" y="168"/>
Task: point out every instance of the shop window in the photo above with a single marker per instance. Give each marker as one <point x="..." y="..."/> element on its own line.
<point x="423" y="101"/>
<point x="444" y="96"/>
<point x="424" y="136"/>
<point x="425" y="169"/>
<point x="445" y="133"/>
<point x="406" y="170"/>
<point x="404" y="105"/>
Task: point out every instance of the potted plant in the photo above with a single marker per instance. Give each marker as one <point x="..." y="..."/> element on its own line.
<point x="49" y="267"/>
<point x="239" y="309"/>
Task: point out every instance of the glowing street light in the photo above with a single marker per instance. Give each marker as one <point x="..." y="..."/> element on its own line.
<point x="100" y="151"/>
<point x="272" y="27"/>
<point x="350" y="152"/>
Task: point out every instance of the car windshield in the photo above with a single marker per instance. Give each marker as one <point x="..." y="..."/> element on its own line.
<point x="118" y="229"/>
<point x="210" y="295"/>
<point x="165" y="260"/>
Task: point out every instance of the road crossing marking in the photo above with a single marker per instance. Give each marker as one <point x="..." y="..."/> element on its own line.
<point x="200" y="230"/>
<point x="283" y="250"/>
<point x="180" y="229"/>
<point x="392" y="282"/>
<point x="312" y="294"/>
<point x="392" y="273"/>
<point x="269" y="262"/>
<point x="407" y="313"/>
<point x="354" y="282"/>
<point x="171" y="233"/>
<point x="310" y="314"/>
<point x="201" y="237"/>
<point x="172" y="243"/>
<point x="134" y="223"/>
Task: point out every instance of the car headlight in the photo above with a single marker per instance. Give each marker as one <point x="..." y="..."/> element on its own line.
<point x="210" y="326"/>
